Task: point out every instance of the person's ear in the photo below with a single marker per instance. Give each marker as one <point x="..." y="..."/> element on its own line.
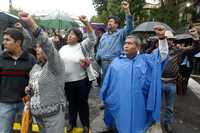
<point x="18" y="42"/>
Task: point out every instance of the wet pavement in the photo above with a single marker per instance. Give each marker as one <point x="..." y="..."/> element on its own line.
<point x="187" y="111"/>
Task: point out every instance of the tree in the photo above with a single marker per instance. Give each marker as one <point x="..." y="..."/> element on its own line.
<point x="107" y="8"/>
<point x="169" y="12"/>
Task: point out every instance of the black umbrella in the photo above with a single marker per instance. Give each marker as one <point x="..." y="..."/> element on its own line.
<point x="183" y="36"/>
<point x="7" y="19"/>
<point x="149" y="27"/>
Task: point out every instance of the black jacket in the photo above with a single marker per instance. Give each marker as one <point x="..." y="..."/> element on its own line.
<point x="172" y="65"/>
<point x="14" y="76"/>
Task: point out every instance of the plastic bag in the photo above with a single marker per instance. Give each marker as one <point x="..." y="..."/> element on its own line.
<point x="155" y="128"/>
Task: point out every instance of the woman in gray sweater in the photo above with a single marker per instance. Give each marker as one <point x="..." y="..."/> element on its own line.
<point x="46" y="83"/>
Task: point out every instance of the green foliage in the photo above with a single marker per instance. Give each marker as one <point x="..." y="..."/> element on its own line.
<point x="168" y="12"/>
<point x="107" y="8"/>
<point x="57" y="24"/>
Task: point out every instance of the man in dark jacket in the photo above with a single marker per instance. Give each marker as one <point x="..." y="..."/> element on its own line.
<point x="15" y="65"/>
<point x="170" y="73"/>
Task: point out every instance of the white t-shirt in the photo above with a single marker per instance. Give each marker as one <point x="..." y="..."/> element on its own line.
<point x="71" y="55"/>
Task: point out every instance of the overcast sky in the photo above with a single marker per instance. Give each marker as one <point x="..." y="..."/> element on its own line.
<point x="72" y="7"/>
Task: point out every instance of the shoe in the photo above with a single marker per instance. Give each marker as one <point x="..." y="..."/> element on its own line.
<point x="107" y="130"/>
<point x="168" y="127"/>
<point x="70" y="129"/>
<point x="86" y="130"/>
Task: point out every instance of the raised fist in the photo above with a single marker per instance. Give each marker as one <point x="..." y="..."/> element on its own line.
<point x="125" y="5"/>
<point x="83" y="19"/>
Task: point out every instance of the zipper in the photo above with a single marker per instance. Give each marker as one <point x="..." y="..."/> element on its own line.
<point x="15" y="62"/>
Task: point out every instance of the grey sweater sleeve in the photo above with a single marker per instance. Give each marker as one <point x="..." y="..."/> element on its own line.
<point x="54" y="62"/>
<point x="28" y="41"/>
<point x="90" y="41"/>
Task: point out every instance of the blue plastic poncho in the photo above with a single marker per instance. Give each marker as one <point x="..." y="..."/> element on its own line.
<point x="132" y="92"/>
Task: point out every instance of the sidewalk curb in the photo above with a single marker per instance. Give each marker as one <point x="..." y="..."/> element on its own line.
<point x="194" y="86"/>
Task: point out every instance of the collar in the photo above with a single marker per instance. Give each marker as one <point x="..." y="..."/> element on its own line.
<point x="123" y="56"/>
<point x="111" y="32"/>
<point x="24" y="56"/>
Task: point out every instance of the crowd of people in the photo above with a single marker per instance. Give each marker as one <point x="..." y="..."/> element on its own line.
<point x="57" y="73"/>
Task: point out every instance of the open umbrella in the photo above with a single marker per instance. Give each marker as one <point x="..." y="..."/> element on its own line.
<point x="148" y="27"/>
<point x="57" y="24"/>
<point x="183" y="36"/>
<point x="7" y="19"/>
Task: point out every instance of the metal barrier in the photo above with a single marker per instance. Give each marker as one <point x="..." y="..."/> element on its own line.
<point x="196" y="66"/>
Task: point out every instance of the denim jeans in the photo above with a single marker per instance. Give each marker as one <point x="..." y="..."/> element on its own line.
<point x="8" y="113"/>
<point x="104" y="66"/>
<point x="169" y="90"/>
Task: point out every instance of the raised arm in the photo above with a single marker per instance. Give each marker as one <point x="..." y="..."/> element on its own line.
<point x="195" y="48"/>
<point x="27" y="43"/>
<point x="90" y="41"/>
<point x="129" y="19"/>
<point x="162" y="41"/>
<point x="53" y="58"/>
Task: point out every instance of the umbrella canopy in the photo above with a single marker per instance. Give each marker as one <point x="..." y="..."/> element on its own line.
<point x="7" y="19"/>
<point x="58" y="24"/>
<point x="149" y="27"/>
<point x="183" y="36"/>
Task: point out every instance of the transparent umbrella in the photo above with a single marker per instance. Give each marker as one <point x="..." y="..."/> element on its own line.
<point x="183" y="36"/>
<point x="148" y="27"/>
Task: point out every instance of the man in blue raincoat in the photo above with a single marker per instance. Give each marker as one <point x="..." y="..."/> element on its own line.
<point x="131" y="90"/>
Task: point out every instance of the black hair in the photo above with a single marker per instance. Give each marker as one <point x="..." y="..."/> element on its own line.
<point x="116" y="18"/>
<point x="77" y="32"/>
<point x="14" y="33"/>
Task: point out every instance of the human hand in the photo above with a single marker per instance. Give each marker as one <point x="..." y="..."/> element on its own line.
<point x="29" y="91"/>
<point x="83" y="19"/>
<point x="125" y="6"/>
<point x="24" y="16"/>
<point x="194" y="33"/>
<point x="84" y="63"/>
<point x="18" y="25"/>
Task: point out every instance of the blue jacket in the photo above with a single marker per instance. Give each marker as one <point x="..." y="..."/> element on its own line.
<point x="110" y="45"/>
